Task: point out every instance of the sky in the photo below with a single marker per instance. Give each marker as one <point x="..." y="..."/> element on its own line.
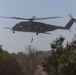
<point x="40" y="8"/>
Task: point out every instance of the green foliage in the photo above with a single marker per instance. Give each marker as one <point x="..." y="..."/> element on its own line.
<point x="67" y="64"/>
<point x="62" y="61"/>
<point x="1" y="50"/>
<point x="9" y="65"/>
<point x="50" y="65"/>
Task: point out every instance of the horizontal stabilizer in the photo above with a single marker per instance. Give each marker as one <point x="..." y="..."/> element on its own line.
<point x="7" y="28"/>
<point x="47" y="33"/>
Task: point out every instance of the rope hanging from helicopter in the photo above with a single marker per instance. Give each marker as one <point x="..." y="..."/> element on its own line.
<point x="32" y="38"/>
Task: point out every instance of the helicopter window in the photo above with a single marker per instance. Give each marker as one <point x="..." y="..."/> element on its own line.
<point x="21" y="26"/>
<point x="41" y="28"/>
<point x="28" y="27"/>
<point x="35" y="27"/>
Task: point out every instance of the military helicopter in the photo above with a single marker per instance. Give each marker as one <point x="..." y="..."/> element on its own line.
<point x="38" y="27"/>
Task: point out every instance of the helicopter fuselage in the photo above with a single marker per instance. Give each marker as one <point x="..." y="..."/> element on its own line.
<point x="37" y="27"/>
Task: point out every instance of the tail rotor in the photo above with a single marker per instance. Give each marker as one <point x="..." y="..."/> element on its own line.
<point x="71" y="16"/>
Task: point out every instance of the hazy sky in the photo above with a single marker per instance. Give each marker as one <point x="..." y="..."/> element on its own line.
<point x="39" y="8"/>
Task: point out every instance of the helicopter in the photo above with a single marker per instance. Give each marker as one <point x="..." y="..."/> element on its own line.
<point x="38" y="27"/>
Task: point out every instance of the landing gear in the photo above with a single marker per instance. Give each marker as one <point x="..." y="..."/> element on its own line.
<point x="13" y="31"/>
<point x="37" y="33"/>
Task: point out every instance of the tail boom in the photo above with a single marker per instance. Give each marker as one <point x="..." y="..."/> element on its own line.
<point x="70" y="23"/>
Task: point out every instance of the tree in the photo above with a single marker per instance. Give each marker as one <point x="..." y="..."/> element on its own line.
<point x="9" y="65"/>
<point x="67" y="63"/>
<point x="68" y="59"/>
<point x="62" y="60"/>
<point x="50" y="64"/>
<point x="29" y="60"/>
<point x="1" y="50"/>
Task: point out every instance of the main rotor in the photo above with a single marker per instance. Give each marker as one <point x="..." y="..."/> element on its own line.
<point x="30" y="19"/>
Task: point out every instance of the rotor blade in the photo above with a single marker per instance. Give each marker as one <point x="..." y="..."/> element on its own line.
<point x="34" y="18"/>
<point x="14" y="18"/>
<point x="46" y="18"/>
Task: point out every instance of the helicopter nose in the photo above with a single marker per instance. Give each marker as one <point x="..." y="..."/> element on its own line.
<point x="13" y="28"/>
<point x="17" y="28"/>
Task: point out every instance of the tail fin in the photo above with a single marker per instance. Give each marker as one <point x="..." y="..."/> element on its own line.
<point x="69" y="24"/>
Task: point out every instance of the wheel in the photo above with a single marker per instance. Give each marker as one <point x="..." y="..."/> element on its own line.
<point x="37" y="33"/>
<point x="13" y="31"/>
